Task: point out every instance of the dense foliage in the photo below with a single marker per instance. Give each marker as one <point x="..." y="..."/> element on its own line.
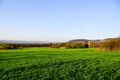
<point x="59" y="64"/>
<point x="57" y="45"/>
<point x="19" y="46"/>
<point x="52" y="45"/>
<point x="10" y="46"/>
<point x="76" y="45"/>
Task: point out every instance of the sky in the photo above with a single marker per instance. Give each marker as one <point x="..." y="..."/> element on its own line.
<point x="59" y="20"/>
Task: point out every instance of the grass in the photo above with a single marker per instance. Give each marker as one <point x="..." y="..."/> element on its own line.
<point x="59" y="64"/>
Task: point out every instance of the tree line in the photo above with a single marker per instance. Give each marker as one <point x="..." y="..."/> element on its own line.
<point x="105" y="45"/>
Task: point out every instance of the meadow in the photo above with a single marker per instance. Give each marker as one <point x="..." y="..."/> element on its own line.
<point x="59" y="64"/>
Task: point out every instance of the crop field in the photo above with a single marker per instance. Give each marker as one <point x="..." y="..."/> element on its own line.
<point x="59" y="64"/>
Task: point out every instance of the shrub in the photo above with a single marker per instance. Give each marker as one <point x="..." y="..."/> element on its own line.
<point x="76" y="45"/>
<point x="57" y="45"/>
<point x="110" y="45"/>
<point x="10" y="46"/>
<point x="94" y="44"/>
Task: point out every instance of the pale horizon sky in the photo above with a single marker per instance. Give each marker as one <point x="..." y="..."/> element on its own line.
<point x="59" y="20"/>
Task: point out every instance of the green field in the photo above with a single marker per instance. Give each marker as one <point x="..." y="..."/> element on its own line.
<point x="59" y="64"/>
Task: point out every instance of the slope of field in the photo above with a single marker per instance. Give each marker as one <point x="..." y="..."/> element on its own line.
<point x="59" y="64"/>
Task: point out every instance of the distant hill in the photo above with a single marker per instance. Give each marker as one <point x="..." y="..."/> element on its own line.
<point x="86" y="40"/>
<point x="78" y="40"/>
<point x="81" y="40"/>
<point x="23" y="42"/>
<point x="45" y="42"/>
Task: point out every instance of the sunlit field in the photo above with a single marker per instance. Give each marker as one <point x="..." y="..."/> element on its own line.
<point x="59" y="64"/>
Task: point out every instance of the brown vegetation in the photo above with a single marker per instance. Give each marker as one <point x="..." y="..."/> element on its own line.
<point x="94" y="44"/>
<point x="57" y="45"/>
<point x="110" y="45"/>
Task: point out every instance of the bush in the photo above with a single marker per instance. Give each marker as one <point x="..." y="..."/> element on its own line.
<point x="76" y="45"/>
<point x="110" y="45"/>
<point x="93" y="44"/>
<point x="57" y="45"/>
<point x="10" y="46"/>
<point x="69" y="45"/>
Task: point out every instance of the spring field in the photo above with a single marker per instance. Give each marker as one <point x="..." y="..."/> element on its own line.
<point x="59" y="64"/>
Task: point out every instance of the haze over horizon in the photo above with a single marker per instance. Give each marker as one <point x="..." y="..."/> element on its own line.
<point x="59" y="20"/>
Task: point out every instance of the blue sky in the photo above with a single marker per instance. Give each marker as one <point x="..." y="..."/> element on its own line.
<point x="59" y="20"/>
